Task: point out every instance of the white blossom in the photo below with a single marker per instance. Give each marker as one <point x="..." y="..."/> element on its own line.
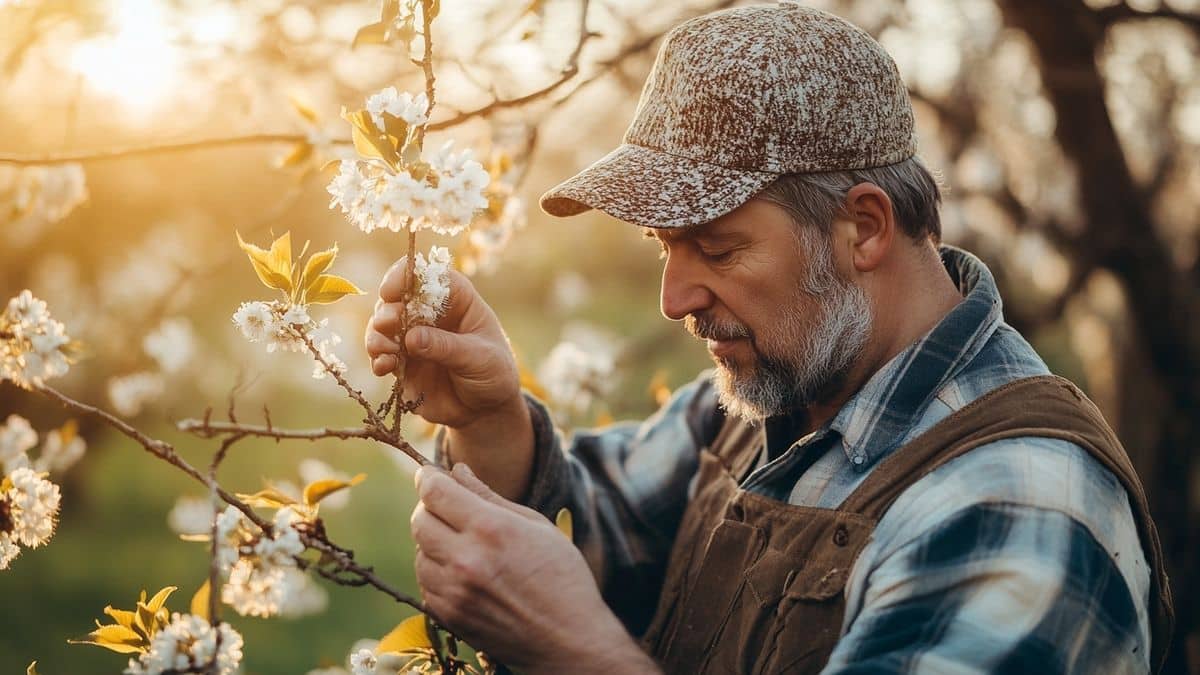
<point x="258" y="583"/>
<point x="187" y="644"/>
<point x="32" y="502"/>
<point x="363" y="662"/>
<point x="57" y="454"/>
<point x="191" y="515"/>
<point x="255" y="320"/>
<point x="301" y="596"/>
<point x="171" y="344"/>
<point x="296" y="315"/>
<point x="41" y="195"/>
<point x="130" y="393"/>
<point x="31" y="343"/>
<point x="574" y="377"/>
<point x="16" y="438"/>
<point x="433" y="280"/>
<point x="414" y="110"/>
<point x="8" y="550"/>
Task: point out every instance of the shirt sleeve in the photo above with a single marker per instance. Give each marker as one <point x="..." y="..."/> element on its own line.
<point x="626" y="486"/>
<point x="996" y="588"/>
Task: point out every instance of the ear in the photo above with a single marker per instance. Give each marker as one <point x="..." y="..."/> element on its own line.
<point x="870" y="225"/>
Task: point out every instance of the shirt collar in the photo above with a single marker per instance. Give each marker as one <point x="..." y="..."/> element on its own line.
<point x="877" y="418"/>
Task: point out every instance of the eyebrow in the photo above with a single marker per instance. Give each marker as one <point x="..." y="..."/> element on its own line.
<point x="694" y="232"/>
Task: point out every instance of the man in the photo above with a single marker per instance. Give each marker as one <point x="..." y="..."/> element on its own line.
<point x="879" y="474"/>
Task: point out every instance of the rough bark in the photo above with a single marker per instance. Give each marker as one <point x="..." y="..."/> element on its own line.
<point x="1164" y="301"/>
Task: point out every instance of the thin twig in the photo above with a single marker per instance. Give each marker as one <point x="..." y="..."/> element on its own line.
<point x="214" y="569"/>
<point x="155" y="149"/>
<point x="208" y="429"/>
<point x="569" y="71"/>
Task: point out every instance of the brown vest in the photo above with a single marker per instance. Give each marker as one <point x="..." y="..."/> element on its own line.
<point x="755" y="585"/>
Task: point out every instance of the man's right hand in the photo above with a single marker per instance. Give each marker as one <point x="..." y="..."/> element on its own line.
<point x="465" y="370"/>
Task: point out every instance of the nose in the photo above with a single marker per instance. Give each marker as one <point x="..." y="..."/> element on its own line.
<point x="684" y="290"/>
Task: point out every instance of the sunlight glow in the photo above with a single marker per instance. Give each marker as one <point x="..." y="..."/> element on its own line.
<point x="138" y="65"/>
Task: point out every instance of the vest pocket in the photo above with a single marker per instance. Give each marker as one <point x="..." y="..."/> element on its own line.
<point x="808" y="618"/>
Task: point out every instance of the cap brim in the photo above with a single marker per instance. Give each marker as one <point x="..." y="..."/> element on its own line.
<point x="654" y="189"/>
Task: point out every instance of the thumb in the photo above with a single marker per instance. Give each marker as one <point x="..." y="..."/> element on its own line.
<point x="459" y="353"/>
<point x="467" y="478"/>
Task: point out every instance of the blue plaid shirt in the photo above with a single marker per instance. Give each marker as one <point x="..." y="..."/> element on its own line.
<point x="1020" y="556"/>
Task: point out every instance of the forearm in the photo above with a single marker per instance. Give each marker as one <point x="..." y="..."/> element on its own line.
<point x="498" y="448"/>
<point x="610" y="650"/>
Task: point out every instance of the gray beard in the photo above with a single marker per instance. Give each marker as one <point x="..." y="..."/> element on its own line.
<point x="814" y="359"/>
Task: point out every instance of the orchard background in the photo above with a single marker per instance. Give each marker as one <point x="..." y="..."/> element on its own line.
<point x="136" y="136"/>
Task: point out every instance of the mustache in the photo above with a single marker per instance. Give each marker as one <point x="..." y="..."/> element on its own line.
<point x="706" y="327"/>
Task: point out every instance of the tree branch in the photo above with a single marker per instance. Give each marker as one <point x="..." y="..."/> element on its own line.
<point x="154" y="149"/>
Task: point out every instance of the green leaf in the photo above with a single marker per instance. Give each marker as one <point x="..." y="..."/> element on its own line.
<point x="328" y="288"/>
<point x="315" y="491"/>
<point x="264" y="261"/>
<point x="316" y="265"/>
<point x="408" y="635"/>
<point x="199" y="605"/>
<point x="371" y="34"/>
<point x="115" y="637"/>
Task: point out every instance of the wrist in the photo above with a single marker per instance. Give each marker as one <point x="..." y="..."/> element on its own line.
<point x="614" y="651"/>
<point x="498" y="446"/>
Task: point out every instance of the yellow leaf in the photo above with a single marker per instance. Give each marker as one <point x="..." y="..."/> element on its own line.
<point x="300" y="152"/>
<point x="32" y="669"/>
<point x="68" y="431"/>
<point x="529" y="382"/>
<point x="160" y="598"/>
<point x="261" y="260"/>
<point x="369" y="140"/>
<point x="371" y="34"/>
<point x="6" y="485"/>
<point x="316" y="265"/>
<point x="327" y="288"/>
<point x="270" y="498"/>
<point x="304" y="109"/>
<point x="124" y="617"/>
<point x="604" y="418"/>
<point x="200" y="601"/>
<point x="115" y="637"/>
<point x="659" y="391"/>
<point x="565" y="524"/>
<point x="281" y="257"/>
<point x="196" y="537"/>
<point x="409" y="634"/>
<point x="317" y="490"/>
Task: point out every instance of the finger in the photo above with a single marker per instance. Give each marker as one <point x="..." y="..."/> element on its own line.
<point x="395" y="281"/>
<point x="467" y="478"/>
<point x="433" y="537"/>
<point x="465" y="355"/>
<point x="445" y="498"/>
<point x="388" y="318"/>
<point x="379" y="344"/>
<point x="385" y="364"/>
<point x="431" y="574"/>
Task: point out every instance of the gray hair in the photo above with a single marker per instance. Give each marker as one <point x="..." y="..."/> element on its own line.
<point x="818" y="198"/>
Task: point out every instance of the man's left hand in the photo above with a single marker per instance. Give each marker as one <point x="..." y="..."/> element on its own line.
<point x="503" y="578"/>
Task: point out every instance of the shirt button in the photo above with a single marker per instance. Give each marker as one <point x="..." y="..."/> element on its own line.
<point x="840" y="536"/>
<point x="858" y="459"/>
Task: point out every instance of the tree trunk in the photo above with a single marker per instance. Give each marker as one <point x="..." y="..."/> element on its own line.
<point x="1164" y="302"/>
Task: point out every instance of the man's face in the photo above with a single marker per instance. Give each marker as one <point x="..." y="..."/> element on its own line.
<point x="782" y="326"/>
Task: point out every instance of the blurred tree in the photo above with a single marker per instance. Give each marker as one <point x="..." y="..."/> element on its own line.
<point x="1066" y="131"/>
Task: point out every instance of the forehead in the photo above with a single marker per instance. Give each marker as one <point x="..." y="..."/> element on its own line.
<point x="754" y="219"/>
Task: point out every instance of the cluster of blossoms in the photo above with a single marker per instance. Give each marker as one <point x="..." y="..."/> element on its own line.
<point x="28" y="512"/>
<point x="188" y="644"/>
<point x="404" y="192"/>
<point x="33" y="197"/>
<point x="433" y="287"/>
<point x="258" y="567"/>
<point x="285" y="326"/>
<point x="32" y="345"/>
<point x="60" y="450"/>
<point x="575" y="377"/>
<point x="368" y="662"/>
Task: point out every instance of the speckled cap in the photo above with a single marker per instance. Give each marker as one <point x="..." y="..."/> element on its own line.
<point x="738" y="98"/>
